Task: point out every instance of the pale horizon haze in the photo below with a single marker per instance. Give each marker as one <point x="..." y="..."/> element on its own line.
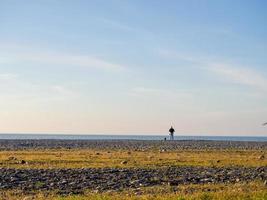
<point x="133" y="67"/>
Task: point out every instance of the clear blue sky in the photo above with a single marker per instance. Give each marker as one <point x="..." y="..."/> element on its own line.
<point x="133" y="66"/>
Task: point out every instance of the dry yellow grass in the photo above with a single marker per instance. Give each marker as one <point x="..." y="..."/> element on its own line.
<point x="85" y="158"/>
<point x="254" y="190"/>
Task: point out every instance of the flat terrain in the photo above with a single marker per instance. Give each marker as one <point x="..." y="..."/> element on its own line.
<point x="238" y="191"/>
<point x="141" y="145"/>
<point x="93" y="158"/>
<point x="54" y="169"/>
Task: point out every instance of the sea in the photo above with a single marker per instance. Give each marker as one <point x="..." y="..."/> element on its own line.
<point x="126" y="137"/>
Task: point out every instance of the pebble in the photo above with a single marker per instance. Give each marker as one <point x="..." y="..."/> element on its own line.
<point x="124" y="162"/>
<point x="23" y="162"/>
<point x="131" y="145"/>
<point x="72" y="181"/>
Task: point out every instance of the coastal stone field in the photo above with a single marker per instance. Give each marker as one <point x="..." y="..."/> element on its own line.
<point x="130" y="144"/>
<point x="76" y="180"/>
<point x="68" y="169"/>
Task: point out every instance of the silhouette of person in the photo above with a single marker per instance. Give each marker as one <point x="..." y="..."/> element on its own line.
<point x="171" y="130"/>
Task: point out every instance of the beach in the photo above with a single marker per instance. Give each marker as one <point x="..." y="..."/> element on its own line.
<point x="7" y="144"/>
<point x="105" y="168"/>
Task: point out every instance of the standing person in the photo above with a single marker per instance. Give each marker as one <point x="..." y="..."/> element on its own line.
<point x="171" y="130"/>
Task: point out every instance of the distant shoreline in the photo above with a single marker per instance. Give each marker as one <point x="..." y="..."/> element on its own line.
<point x="138" y="145"/>
<point x="12" y="136"/>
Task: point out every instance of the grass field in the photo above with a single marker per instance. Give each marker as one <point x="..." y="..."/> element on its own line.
<point x="153" y="159"/>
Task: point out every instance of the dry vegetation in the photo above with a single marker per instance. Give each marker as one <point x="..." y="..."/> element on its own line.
<point x="87" y="158"/>
<point x="76" y="158"/>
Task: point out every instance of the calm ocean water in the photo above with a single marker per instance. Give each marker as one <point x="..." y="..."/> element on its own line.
<point x="126" y="137"/>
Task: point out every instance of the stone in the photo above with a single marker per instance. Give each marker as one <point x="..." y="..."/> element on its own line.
<point x="12" y="158"/>
<point x="173" y="183"/>
<point x="23" y="162"/>
<point x="124" y="162"/>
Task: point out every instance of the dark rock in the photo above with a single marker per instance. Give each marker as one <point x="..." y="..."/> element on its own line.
<point x="124" y="162"/>
<point x="23" y="162"/>
<point x="173" y="183"/>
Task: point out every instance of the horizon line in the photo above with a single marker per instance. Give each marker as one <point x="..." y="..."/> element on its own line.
<point x="118" y="134"/>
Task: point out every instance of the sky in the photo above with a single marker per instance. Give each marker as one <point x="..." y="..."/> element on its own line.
<point x="133" y="67"/>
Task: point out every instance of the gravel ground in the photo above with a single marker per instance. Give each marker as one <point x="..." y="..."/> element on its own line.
<point x="70" y="181"/>
<point x="76" y="180"/>
<point x="129" y="144"/>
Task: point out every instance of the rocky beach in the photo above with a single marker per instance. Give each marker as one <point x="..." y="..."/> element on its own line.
<point x="173" y="165"/>
<point x="73" y="181"/>
<point x="131" y="144"/>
